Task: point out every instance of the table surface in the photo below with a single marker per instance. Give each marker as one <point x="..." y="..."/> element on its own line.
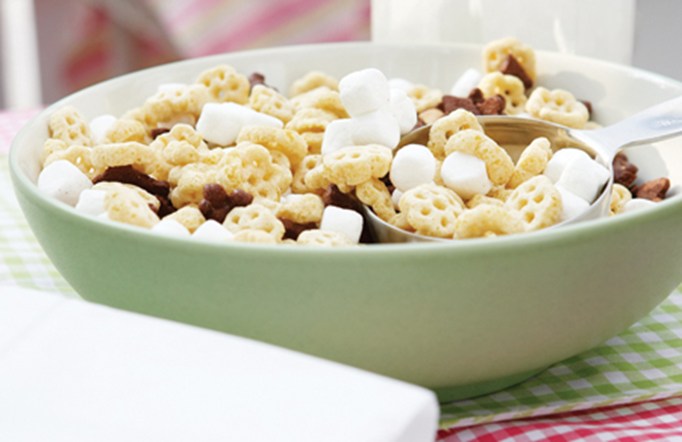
<point x="628" y="388"/>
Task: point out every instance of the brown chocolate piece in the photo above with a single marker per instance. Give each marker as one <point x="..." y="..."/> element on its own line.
<point x="654" y="190"/>
<point x="217" y="203"/>
<point x="511" y="66"/>
<point x="451" y="103"/>
<point x="159" y="131"/>
<point x="257" y="78"/>
<point x="334" y="197"/>
<point x="476" y="95"/>
<point x="624" y="172"/>
<point x="492" y="106"/>
<point x="292" y="229"/>
<point x="128" y="175"/>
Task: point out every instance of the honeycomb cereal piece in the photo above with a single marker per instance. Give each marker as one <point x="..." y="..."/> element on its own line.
<point x="225" y="84"/>
<point x="486" y="220"/>
<point x="272" y="205"/>
<point x="509" y="87"/>
<point x="557" y="106"/>
<point x="477" y="200"/>
<point x="280" y="159"/>
<point x="424" y="97"/>
<point x="254" y="236"/>
<point x="496" y="52"/>
<point x="323" y="238"/>
<point x="260" y="176"/>
<point x="114" y="188"/>
<point x="446" y="127"/>
<point x="255" y="217"/>
<point x="532" y="162"/>
<point x="286" y="141"/>
<point x="129" y="204"/>
<point x="268" y="101"/>
<point x="125" y="130"/>
<point x="320" y="98"/>
<point x="498" y="163"/>
<point x="500" y="193"/>
<point x="140" y="156"/>
<point x="68" y="125"/>
<point x="309" y="162"/>
<point x="432" y="210"/>
<point x="79" y="156"/>
<point x="429" y="116"/>
<point x="302" y="209"/>
<point x="400" y="221"/>
<point x="375" y="194"/>
<point x="313" y="80"/>
<point x="620" y="195"/>
<point x="353" y="165"/>
<point x="311" y="123"/>
<point x="538" y="202"/>
<point x="181" y="132"/>
<point x="171" y="106"/>
<point x="189" y="216"/>
<point x="187" y="182"/>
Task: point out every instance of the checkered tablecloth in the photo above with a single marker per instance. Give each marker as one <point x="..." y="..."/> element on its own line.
<point x="629" y="388"/>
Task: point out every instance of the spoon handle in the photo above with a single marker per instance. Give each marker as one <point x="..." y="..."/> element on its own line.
<point x="655" y="123"/>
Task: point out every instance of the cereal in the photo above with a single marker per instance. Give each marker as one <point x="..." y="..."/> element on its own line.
<point x="355" y="165"/>
<point x="313" y="80"/>
<point x="268" y="101"/>
<point x="424" y="97"/>
<point x="532" y="162"/>
<point x="302" y="209"/>
<point x="285" y="141"/>
<point x="375" y="194"/>
<point x="309" y="162"/>
<point x="499" y="164"/>
<point x="68" y="125"/>
<point x="620" y="195"/>
<point x="446" y="127"/>
<point x="187" y="182"/>
<point x="496" y="54"/>
<point x="189" y="216"/>
<point x="126" y="130"/>
<point x="141" y="156"/>
<point x="537" y="201"/>
<point x="429" y="116"/>
<point x="128" y="204"/>
<point x="225" y="84"/>
<point x="322" y="98"/>
<point x="432" y="210"/>
<point x="260" y="176"/>
<point x="477" y="200"/>
<point x="254" y="236"/>
<point x="509" y="87"/>
<point x="311" y="124"/>
<point x="254" y="217"/>
<point x="79" y="156"/>
<point x="558" y="106"/>
<point x="486" y="220"/>
<point x="164" y="107"/>
<point x="323" y="238"/>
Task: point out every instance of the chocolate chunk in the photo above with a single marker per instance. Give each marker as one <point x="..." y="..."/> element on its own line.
<point x="624" y="172"/>
<point x="419" y="124"/>
<point x="257" y="78"/>
<point x="476" y="95"/>
<point x="334" y="197"/>
<point x="292" y="229"/>
<point x="165" y="206"/>
<point x="588" y="105"/>
<point x="128" y="175"/>
<point x="386" y="179"/>
<point x="511" y="66"/>
<point x="451" y="103"/>
<point x="654" y="190"/>
<point x="217" y="203"/>
<point x="240" y="198"/>
<point x="492" y="106"/>
<point x="159" y="131"/>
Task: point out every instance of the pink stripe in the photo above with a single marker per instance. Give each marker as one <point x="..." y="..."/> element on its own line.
<point x="191" y="9"/>
<point x="257" y="25"/>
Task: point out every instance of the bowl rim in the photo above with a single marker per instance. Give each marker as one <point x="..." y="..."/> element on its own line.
<point x="550" y="237"/>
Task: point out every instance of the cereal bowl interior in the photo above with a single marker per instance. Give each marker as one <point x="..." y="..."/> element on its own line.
<point x="462" y="318"/>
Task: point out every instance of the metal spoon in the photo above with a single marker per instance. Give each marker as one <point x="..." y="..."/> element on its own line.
<point x="656" y="123"/>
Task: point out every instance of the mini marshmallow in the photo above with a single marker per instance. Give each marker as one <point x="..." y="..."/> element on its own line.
<point x="213" y="231"/>
<point x="344" y="221"/>
<point x="220" y="123"/>
<point x="400" y="83"/>
<point x="466" y="82"/>
<point x="395" y="198"/>
<point x="465" y="174"/>
<point x="63" y="181"/>
<point x="584" y="177"/>
<point x="637" y="204"/>
<point x="378" y="127"/>
<point x="560" y="160"/>
<point x="402" y="108"/>
<point x="337" y="135"/>
<point x="412" y="166"/>
<point x="572" y="204"/>
<point x="364" y="91"/>
<point x="170" y="227"/>
<point x="100" y="126"/>
<point x="170" y="87"/>
<point x="92" y="202"/>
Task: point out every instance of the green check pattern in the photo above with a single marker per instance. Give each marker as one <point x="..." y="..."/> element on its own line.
<point x="643" y="363"/>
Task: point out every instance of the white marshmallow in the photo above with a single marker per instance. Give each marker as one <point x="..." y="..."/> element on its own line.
<point x="344" y="221"/>
<point x="378" y="127"/>
<point x="637" y="204"/>
<point x="402" y="108"/>
<point x="213" y="231"/>
<point x="572" y="204"/>
<point x="170" y="227"/>
<point x="63" y="181"/>
<point x="465" y="174"/>
<point x="170" y="87"/>
<point x="337" y="135"/>
<point x="584" y="177"/>
<point x="560" y="159"/>
<point x="466" y="82"/>
<point x="412" y="165"/>
<point x="92" y="202"/>
<point x="395" y="198"/>
<point x="220" y="123"/>
<point x="100" y="126"/>
<point x="364" y="91"/>
<point x="400" y="83"/>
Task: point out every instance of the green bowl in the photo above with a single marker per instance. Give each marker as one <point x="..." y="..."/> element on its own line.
<point x="463" y="318"/>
